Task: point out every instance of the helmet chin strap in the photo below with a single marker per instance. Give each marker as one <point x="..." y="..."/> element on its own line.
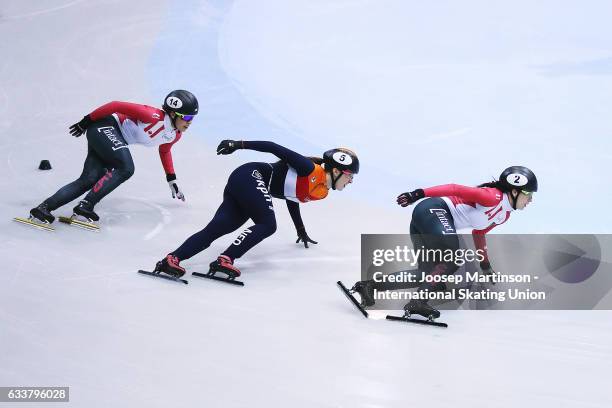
<point x="514" y="199"/>
<point x="174" y="120"/>
<point x="335" y="179"/>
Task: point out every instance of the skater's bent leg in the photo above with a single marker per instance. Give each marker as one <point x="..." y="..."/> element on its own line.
<point x="252" y="236"/>
<point x="111" y="180"/>
<point x="93" y="169"/>
<point x="431" y="228"/>
<point x="228" y="218"/>
<point x="107" y="141"/>
<point x="444" y="243"/>
<point x="252" y="195"/>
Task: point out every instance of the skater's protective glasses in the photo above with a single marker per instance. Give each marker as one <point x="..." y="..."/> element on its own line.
<point x="527" y="193"/>
<point x="186" y="118"/>
<point x="348" y="174"/>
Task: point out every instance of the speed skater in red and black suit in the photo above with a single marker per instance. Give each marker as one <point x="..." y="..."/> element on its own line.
<point x="109" y="130"/>
<point x="446" y="209"/>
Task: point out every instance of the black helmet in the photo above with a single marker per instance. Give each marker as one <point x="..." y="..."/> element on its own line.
<point x="181" y="101"/>
<point x="342" y="159"/>
<point x="518" y="177"/>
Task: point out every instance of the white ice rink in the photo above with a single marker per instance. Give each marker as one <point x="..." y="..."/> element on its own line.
<point x="426" y="92"/>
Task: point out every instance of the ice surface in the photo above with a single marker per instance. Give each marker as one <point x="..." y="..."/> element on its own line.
<point x="426" y="92"/>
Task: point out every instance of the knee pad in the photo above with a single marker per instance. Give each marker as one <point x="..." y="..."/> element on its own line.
<point x="269" y="227"/>
<point x="90" y="178"/>
<point x="126" y="171"/>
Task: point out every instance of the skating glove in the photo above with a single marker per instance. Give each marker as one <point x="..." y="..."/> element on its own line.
<point x="405" y="199"/>
<point x="174" y="188"/>
<point x="79" y="128"/>
<point x="303" y="236"/>
<point x="229" y="146"/>
<point x="486" y="269"/>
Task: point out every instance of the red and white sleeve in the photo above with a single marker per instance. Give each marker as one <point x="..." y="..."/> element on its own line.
<point x="487" y="197"/>
<point x="134" y="111"/>
<point x="165" y="154"/>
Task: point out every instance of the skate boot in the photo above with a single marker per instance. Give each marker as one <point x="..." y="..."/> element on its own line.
<point x="85" y="209"/>
<point x="366" y="291"/>
<point x="42" y="214"/>
<point x="170" y="266"/>
<point x="421" y="307"/>
<point x="225" y="265"/>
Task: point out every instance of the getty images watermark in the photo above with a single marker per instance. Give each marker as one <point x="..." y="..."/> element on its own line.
<point x="545" y="272"/>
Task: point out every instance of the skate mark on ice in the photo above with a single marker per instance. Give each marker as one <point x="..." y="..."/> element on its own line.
<point x="40" y="12"/>
<point x="302" y="259"/>
<point x="166" y="218"/>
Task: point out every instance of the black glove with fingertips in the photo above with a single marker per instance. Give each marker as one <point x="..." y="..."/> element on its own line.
<point x="229" y="146"/>
<point x="79" y="128"/>
<point x="405" y="199"/>
<point x="303" y="236"/>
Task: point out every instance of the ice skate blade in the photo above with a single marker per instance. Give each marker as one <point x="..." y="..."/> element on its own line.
<point x="212" y="276"/>
<point x="90" y="226"/>
<point x="35" y="224"/>
<point x="350" y="297"/>
<point x="167" y="277"/>
<point x="419" y="321"/>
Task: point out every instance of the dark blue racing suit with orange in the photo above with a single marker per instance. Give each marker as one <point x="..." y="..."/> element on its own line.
<point x="248" y="194"/>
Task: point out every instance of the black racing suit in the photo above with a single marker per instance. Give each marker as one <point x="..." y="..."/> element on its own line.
<point x="432" y="227"/>
<point x="107" y="165"/>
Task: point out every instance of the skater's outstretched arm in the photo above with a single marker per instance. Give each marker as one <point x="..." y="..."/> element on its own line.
<point x="296" y="216"/>
<point x="294" y="212"/>
<point x="480" y="242"/>
<point x="165" y="153"/>
<point x="302" y="165"/>
<point x="484" y="196"/>
<point x="134" y="111"/>
<point x="143" y="113"/>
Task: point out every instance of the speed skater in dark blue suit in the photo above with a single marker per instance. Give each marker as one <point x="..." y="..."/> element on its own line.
<point x="248" y="195"/>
